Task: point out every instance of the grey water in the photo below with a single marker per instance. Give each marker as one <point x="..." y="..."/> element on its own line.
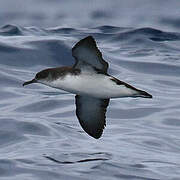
<point x="40" y="136"/>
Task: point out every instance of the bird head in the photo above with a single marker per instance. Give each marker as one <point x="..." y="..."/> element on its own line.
<point x="41" y="77"/>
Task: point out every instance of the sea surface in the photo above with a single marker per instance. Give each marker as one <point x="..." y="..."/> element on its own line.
<point x="40" y="136"/>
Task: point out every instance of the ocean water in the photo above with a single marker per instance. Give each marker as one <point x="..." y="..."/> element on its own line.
<point x="40" y="136"/>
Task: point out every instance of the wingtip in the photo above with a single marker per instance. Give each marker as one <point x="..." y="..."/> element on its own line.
<point x="95" y="136"/>
<point x="87" y="39"/>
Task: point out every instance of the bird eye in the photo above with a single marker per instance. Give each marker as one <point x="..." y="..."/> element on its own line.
<point x="42" y="74"/>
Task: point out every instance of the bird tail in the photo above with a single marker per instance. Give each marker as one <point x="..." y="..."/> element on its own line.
<point x="143" y="94"/>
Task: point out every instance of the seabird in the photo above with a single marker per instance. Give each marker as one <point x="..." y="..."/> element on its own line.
<point x="89" y="81"/>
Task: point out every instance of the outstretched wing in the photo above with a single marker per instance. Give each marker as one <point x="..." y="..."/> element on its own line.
<point x="86" y="52"/>
<point x="91" y="113"/>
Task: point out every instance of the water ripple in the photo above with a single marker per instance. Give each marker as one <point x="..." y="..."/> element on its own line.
<point x="40" y="133"/>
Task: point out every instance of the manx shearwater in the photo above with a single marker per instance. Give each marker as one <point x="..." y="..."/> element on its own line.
<point x="93" y="86"/>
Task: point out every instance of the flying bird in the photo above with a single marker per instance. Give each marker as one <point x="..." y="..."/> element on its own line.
<point x="89" y="81"/>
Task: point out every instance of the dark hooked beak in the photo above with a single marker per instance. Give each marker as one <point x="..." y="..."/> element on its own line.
<point x="29" y="82"/>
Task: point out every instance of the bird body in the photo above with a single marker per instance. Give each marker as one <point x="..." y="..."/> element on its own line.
<point x="94" y="84"/>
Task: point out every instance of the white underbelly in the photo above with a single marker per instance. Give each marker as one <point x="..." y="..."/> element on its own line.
<point x="98" y="86"/>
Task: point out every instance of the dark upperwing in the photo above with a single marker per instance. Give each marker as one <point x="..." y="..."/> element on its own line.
<point x="86" y="53"/>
